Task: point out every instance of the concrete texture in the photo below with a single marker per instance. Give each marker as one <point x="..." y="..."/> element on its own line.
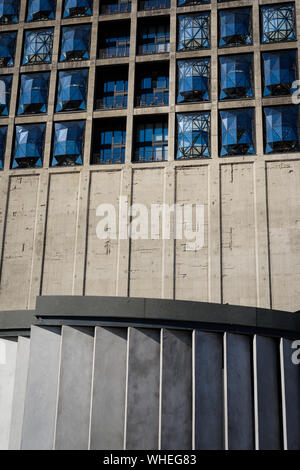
<point x="74" y="389"/>
<point x="208" y="391"/>
<point x="109" y="389"/>
<point x="20" y="385"/>
<point x="142" y="395"/>
<point x="47" y="230"/>
<point x="41" y="392"/>
<point x="176" y="392"/>
<point x="8" y="355"/>
<point x="239" y="416"/>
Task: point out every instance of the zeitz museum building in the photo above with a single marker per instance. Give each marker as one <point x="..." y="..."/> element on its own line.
<point x="146" y="338"/>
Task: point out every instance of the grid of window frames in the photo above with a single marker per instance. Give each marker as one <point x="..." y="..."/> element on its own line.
<point x="78" y="74"/>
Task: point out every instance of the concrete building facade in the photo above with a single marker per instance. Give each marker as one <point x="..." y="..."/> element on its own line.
<point x="49" y="246"/>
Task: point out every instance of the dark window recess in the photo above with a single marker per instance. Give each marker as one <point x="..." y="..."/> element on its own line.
<point x="109" y="142"/>
<point x="111" y="92"/>
<point x="151" y="140"/>
<point x="153" y="87"/>
<point x="114" y="40"/>
<point x="145" y="5"/>
<point x="153" y="37"/>
<point x="112" y="8"/>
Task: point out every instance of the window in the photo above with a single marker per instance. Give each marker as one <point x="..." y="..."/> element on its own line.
<point x="236" y="77"/>
<point x="112" y="7"/>
<point x="68" y="143"/>
<point x="151" y="141"/>
<point x="114" y="40"/>
<point x="29" y="146"/>
<point x="111" y="92"/>
<point x="154" y="37"/>
<point x="193" y="32"/>
<point x="193" y="80"/>
<point x="75" y="8"/>
<point x="154" y="4"/>
<point x="7" y="49"/>
<point x="39" y="10"/>
<point x="279" y="72"/>
<point x="153" y="85"/>
<point x="281" y="124"/>
<point x="72" y="90"/>
<point x="235" y="27"/>
<point x="237" y="132"/>
<point x="5" y="90"/>
<point x="3" y="133"/>
<point x="38" y="46"/>
<point x="193" y="135"/>
<point x="75" y="43"/>
<point x="109" y="142"/>
<point x="278" y="23"/>
<point x="186" y="3"/>
<point x="9" y="11"/>
<point x="34" y="93"/>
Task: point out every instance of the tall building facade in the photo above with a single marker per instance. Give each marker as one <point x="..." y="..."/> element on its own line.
<point x="158" y="102"/>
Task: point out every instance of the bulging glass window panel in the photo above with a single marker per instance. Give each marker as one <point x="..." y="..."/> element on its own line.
<point x="75" y="8"/>
<point x="278" y="23"/>
<point x="193" y="135"/>
<point x="34" y="90"/>
<point x="9" y="11"/>
<point x="29" y="146"/>
<point x="72" y="90"/>
<point x="235" y="27"/>
<point x="3" y="134"/>
<point x="187" y="3"/>
<point x="38" y="46"/>
<point x="40" y="10"/>
<point x="193" y="31"/>
<point x="237" y="132"/>
<point x="279" y="72"/>
<point x="281" y="129"/>
<point x="5" y="91"/>
<point x="75" y="43"/>
<point x="68" y="143"/>
<point x="7" y="49"/>
<point x="193" y="80"/>
<point x="236" y="76"/>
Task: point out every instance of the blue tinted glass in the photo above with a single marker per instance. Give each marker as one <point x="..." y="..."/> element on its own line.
<point x="39" y="10"/>
<point x="237" y="132"/>
<point x="3" y="134"/>
<point x="5" y="91"/>
<point x="281" y="124"/>
<point x="9" y="11"/>
<point x="236" y="77"/>
<point x="109" y="146"/>
<point x="78" y="8"/>
<point x="193" y="135"/>
<point x="68" y="143"/>
<point x="193" y="80"/>
<point x="38" y="46"/>
<point x="7" y="49"/>
<point x="235" y="27"/>
<point x="194" y="32"/>
<point x="183" y="3"/>
<point x="75" y="43"/>
<point x="29" y="146"/>
<point x="279" y="72"/>
<point x="34" y="93"/>
<point x="278" y="23"/>
<point x="151" y="142"/>
<point x="72" y="90"/>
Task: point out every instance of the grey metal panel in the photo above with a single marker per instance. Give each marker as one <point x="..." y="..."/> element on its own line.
<point x="208" y="390"/>
<point x="108" y="401"/>
<point x="142" y="420"/>
<point x="74" y="394"/>
<point x="239" y="392"/>
<point x="176" y="411"/>
<point x="41" y="392"/>
<point x="268" y="393"/>
<point x="8" y="354"/>
<point x="19" y="393"/>
<point x="292" y="396"/>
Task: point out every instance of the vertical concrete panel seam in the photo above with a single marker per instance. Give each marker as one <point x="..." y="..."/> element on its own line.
<point x="79" y="188"/>
<point x="34" y="240"/>
<point x="4" y="226"/>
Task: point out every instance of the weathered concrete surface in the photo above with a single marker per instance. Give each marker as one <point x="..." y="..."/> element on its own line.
<point x="20" y="386"/>
<point x="74" y="390"/>
<point x="41" y="393"/>
<point x="109" y="389"/>
<point x="142" y="406"/>
<point x="8" y="355"/>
